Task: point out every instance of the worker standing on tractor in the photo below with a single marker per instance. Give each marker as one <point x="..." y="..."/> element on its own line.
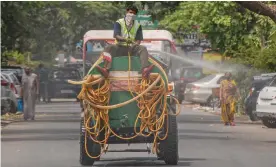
<point x="128" y="34"/>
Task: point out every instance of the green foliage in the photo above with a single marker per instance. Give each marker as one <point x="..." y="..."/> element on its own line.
<point x="248" y="38"/>
<point x="19" y="58"/>
<point x="44" y="28"/>
<point x="237" y="32"/>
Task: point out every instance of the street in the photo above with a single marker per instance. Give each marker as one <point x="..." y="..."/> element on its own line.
<point x="53" y="140"/>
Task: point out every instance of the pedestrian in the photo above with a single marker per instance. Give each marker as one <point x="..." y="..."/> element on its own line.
<point x="43" y="76"/>
<point x="29" y="91"/>
<point x="228" y="99"/>
<point x="128" y="35"/>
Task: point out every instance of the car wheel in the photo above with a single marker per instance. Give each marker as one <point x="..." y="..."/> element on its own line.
<point x="270" y="123"/>
<point x="213" y="102"/>
<point x="3" y="110"/>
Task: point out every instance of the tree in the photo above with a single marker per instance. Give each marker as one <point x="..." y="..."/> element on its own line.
<point x="45" y="27"/>
<point x="259" y="8"/>
<point x="238" y="33"/>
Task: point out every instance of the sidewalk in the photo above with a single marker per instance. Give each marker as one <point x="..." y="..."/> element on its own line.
<point x="56" y="108"/>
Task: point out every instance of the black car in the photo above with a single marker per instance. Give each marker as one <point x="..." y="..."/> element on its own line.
<point x="258" y="84"/>
<point x="79" y="66"/>
<point x="59" y="86"/>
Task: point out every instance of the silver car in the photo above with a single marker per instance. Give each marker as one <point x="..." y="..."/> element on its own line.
<point x="201" y="90"/>
<point x="8" y="97"/>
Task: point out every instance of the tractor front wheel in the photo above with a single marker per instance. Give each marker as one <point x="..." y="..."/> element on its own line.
<point x="93" y="149"/>
<point x="168" y="148"/>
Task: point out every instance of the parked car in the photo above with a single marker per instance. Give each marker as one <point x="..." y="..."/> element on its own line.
<point x="79" y="66"/>
<point x="201" y="90"/>
<point x="17" y="70"/>
<point x="59" y="87"/>
<point x="258" y="84"/>
<point x="8" y="97"/>
<point x="15" y="84"/>
<point x="186" y="75"/>
<point x="266" y="105"/>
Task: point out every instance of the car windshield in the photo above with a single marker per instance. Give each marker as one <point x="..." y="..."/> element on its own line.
<point x="207" y="79"/>
<point x="66" y="74"/>
<point x="259" y="84"/>
<point x="191" y="73"/>
<point x="17" y="70"/>
<point x="5" y="75"/>
<point x="15" y="80"/>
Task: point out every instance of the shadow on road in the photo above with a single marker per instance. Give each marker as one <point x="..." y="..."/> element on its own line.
<point x="143" y="161"/>
<point x="67" y="135"/>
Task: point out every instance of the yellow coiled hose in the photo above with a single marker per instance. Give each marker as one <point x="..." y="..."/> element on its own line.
<point x="151" y="94"/>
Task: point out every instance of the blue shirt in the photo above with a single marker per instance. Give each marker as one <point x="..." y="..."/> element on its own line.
<point x="117" y="31"/>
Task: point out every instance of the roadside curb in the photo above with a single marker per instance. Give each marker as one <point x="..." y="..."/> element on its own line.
<point x="10" y="118"/>
<point x="6" y="122"/>
<point x="14" y="118"/>
<point x="214" y="112"/>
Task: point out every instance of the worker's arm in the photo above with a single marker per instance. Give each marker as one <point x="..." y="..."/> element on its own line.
<point x="139" y="36"/>
<point x="117" y="32"/>
<point x="120" y="38"/>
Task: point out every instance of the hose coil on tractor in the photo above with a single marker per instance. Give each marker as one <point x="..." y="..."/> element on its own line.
<point x="150" y="95"/>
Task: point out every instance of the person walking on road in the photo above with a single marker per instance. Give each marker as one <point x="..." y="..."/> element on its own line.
<point x="228" y="99"/>
<point x="29" y="91"/>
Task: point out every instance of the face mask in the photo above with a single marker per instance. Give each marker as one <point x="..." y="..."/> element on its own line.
<point x="130" y="17"/>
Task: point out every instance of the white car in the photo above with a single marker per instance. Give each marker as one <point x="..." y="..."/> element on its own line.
<point x="8" y="97"/>
<point x="266" y="105"/>
<point x="15" y="84"/>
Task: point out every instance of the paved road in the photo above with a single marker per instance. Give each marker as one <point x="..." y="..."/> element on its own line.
<point x="53" y="141"/>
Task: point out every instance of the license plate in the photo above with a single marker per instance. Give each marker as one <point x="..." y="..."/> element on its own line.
<point x="66" y="91"/>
